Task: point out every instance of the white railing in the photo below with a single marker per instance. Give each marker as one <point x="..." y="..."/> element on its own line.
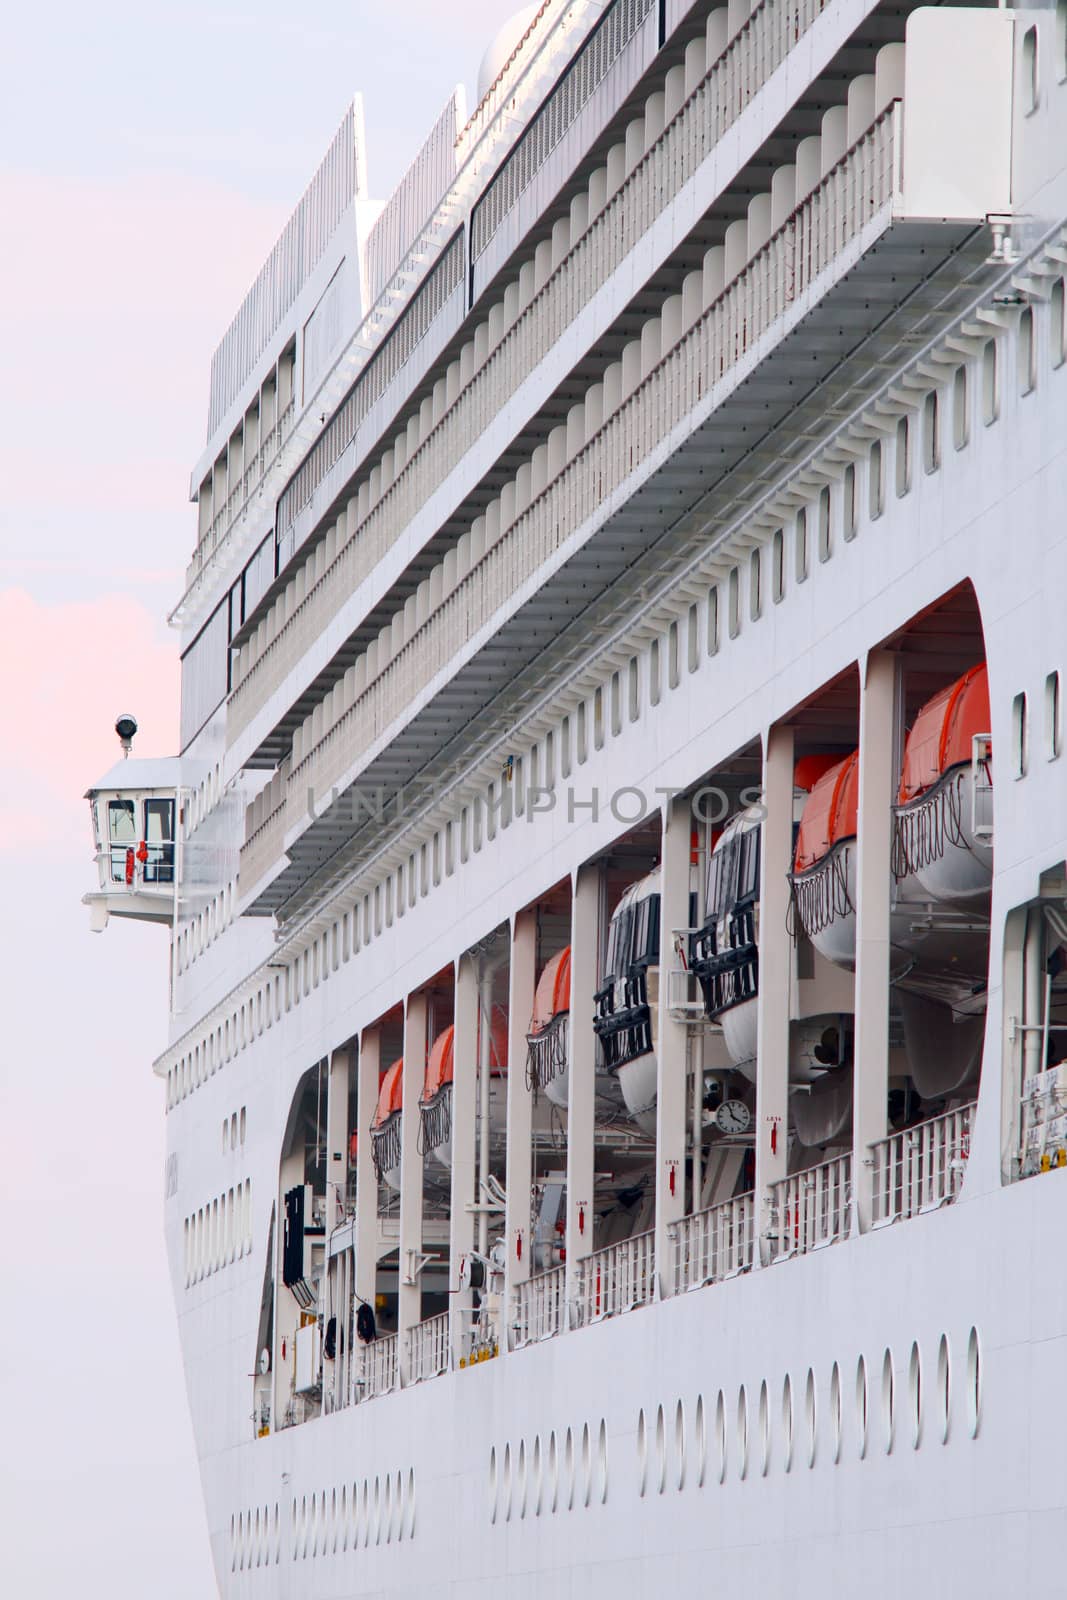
<point x="811" y="1209"/>
<point x="714" y="1244"/>
<point x="428" y="1348"/>
<point x="920" y="1168"/>
<point x="618" y="1278"/>
<point x="379" y="1372"/>
<point x="821" y="226"/>
<point x="539" y="1307"/>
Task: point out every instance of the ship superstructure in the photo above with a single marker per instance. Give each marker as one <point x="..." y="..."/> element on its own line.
<point x="616" y="863"/>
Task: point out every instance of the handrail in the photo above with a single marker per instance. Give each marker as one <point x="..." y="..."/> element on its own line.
<point x="620" y="1277"/>
<point x="539" y="1307"/>
<point x="810" y="1209"/>
<point x="714" y="1244"/>
<point x="921" y="1168"/>
<point x="428" y="1348"/>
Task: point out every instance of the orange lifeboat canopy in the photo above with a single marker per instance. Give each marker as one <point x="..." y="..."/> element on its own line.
<point x="809" y="769"/>
<point x="553" y="993"/>
<point x="830" y="813"/>
<point x="942" y="735"/>
<point x="390" y="1093"/>
<point x="440" y="1068"/>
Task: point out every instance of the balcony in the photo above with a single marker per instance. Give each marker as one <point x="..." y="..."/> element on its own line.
<point x="618" y="1278"/>
<point x="715" y="1244"/>
<point x="921" y="1168"/>
<point x="811" y="1209"/>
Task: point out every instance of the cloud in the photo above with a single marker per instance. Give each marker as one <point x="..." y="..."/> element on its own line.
<point x="68" y="670"/>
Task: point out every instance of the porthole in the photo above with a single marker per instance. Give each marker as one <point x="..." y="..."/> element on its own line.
<point x="875" y="481"/>
<point x="848" y="502"/>
<point x="553" y="1472"/>
<point x="825" y="530"/>
<point x="587" y="1465"/>
<point x="520" y="1477"/>
<point x="944" y="1387"/>
<point x="568" y="1471"/>
<point x="990" y="382"/>
<point x="861" y="1407"/>
<point x="902" y="457"/>
<point x="1026" y="351"/>
<point x="411" y="1503"/>
<point x="974" y="1383"/>
<point x="801" y="565"/>
<point x="376" y="1511"/>
<point x="960" y="408"/>
<point x="366" y="1512"/>
<point x="720" y="1433"/>
<point x="778" y="565"/>
<point x="536" y="1483"/>
<point x="764" y="1429"/>
<point x="742" y="1432"/>
<point x="888" y="1400"/>
<point x="679" y="1446"/>
<point x="387" y="1508"/>
<point x="602" y="1460"/>
<point x="505" y="1485"/>
<point x="810" y="1416"/>
<point x="344" y="1529"/>
<point x="1058" y="310"/>
<point x="661" y="1451"/>
<point x="787" y="1422"/>
<point x="700" y="1429"/>
<point x="835" y="1413"/>
<point x="915" y="1395"/>
<point x="642" y="1452"/>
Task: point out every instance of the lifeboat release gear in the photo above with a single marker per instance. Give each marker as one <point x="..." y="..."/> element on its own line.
<point x="385" y="1129"/>
<point x="435" y="1103"/>
<point x="546" y="1042"/>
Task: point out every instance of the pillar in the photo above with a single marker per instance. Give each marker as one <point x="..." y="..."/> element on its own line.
<point x="464" y="1090"/>
<point x="581" y="1098"/>
<point x="366" y="1235"/>
<point x="672" y="1039"/>
<point x="522" y="982"/>
<point x="336" y="1139"/>
<point x="775" y="974"/>
<point x="877" y="770"/>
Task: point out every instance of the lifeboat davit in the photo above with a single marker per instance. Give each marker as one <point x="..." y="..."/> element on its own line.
<point x="385" y="1129"/>
<point x="937" y="839"/>
<point x="435" y="1103"/>
<point x="627" y="1003"/>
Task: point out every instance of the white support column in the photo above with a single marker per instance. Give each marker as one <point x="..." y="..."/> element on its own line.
<point x="522" y="983"/>
<point x="775" y="974"/>
<point x="581" y="1084"/>
<point x="464" y="1092"/>
<point x="870" y="1085"/>
<point x="336" y="1139"/>
<point x="671" y="1038"/>
<point x="366" y="1240"/>
<point x="409" y="1297"/>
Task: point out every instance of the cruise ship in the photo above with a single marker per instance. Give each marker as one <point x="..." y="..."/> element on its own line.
<point x="615" y="868"/>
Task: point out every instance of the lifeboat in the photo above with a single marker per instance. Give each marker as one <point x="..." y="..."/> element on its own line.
<point x="946" y="768"/>
<point x="435" y="1103"/>
<point x="548" y="1041"/>
<point x="385" y="1129"/>
<point x="625" y="1019"/>
<point x="824" y="864"/>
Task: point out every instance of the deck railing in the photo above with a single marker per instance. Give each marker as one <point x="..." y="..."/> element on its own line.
<point x="811" y="1208"/>
<point x="713" y="1244"/>
<point x="539" y="1307"/>
<point x="921" y="1168"/>
<point x="618" y="1278"/>
<point x="428" y="1352"/>
<point x="379" y="1370"/>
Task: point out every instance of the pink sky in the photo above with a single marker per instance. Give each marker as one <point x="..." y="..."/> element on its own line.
<point x="150" y="158"/>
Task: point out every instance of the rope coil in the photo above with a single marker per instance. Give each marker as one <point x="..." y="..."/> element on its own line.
<point x="926" y="828"/>
<point x="385" y="1145"/>
<point x="820" y="896"/>
<point x="546" y="1052"/>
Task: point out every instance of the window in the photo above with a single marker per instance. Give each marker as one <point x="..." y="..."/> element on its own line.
<point x="598" y="717"/>
<point x="931" y="433"/>
<point x="565" y="748"/>
<point x="635" y="689"/>
<point x="903" y="457"/>
<point x="825" y="548"/>
<point x="848" y="501"/>
<point x="583" y="733"/>
<point x="653" y="672"/>
<point x="1018" y="736"/>
<point x="673" y="667"/>
<point x="875" y="481"/>
<point x="802" y="546"/>
<point x="1057" y="321"/>
<point x="713" y="619"/>
<point x="1025" y="350"/>
<point x="990" y="383"/>
<point x="960" y="398"/>
<point x="122" y="833"/>
<point x="734" y="592"/>
<point x="693" y="638"/>
<point x="1061" y="40"/>
<point x="778" y="565"/>
<point x="1029" y="71"/>
<point x="755" y="593"/>
<point x="616" y="704"/>
<point x="1052" y="716"/>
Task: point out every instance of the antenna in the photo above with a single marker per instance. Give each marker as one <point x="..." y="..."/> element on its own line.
<point x="125" y="727"/>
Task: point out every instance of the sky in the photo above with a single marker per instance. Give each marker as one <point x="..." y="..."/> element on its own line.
<point x="149" y="157"/>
